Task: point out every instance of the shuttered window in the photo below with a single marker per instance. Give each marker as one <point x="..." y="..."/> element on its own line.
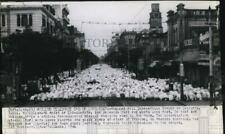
<point x="18" y="20"/>
<point x="43" y="21"/>
<point x="30" y="20"/>
<point x="3" y="20"/>
<point x="24" y="20"/>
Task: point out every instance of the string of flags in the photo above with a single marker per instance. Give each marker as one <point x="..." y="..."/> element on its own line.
<point x="114" y="23"/>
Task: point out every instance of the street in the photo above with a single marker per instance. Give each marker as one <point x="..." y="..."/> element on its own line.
<point x="113" y="102"/>
<point x="96" y="103"/>
<point x="102" y="85"/>
<point x="111" y="67"/>
<point x="146" y="66"/>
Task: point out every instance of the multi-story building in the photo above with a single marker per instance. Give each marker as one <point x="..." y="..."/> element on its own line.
<point x="115" y="49"/>
<point x="155" y="20"/>
<point x="157" y="42"/>
<point x="113" y="46"/>
<point x="61" y="14"/>
<point x="185" y="24"/>
<point x="76" y="38"/>
<point x="39" y="18"/>
<point x="17" y="18"/>
<point x="79" y="40"/>
<point x="156" y="38"/>
<point x="127" y="38"/>
<point x="184" y="29"/>
<point x="142" y="38"/>
<point x="52" y="19"/>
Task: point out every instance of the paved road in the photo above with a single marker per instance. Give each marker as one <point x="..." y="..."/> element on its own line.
<point x="110" y="102"/>
<point x="106" y="81"/>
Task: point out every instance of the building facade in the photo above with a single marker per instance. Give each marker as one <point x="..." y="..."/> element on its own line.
<point x="155" y="39"/>
<point x="155" y="20"/>
<point x="127" y="38"/>
<point x="51" y="19"/>
<point x="76" y="38"/>
<point x="185" y="26"/>
<point x="61" y="14"/>
<point x="17" y="18"/>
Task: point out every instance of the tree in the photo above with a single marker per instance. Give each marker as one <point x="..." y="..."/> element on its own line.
<point x="36" y="52"/>
<point x="88" y="58"/>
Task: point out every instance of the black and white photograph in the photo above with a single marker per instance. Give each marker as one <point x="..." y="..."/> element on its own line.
<point x="111" y="67"/>
<point x="81" y="54"/>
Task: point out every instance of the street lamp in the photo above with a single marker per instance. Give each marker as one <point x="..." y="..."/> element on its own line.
<point x="181" y="80"/>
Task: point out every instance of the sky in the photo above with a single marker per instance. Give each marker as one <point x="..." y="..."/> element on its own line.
<point x="98" y="36"/>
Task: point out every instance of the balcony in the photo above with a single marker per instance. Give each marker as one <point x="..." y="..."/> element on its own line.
<point x="66" y="20"/>
<point x="65" y="10"/>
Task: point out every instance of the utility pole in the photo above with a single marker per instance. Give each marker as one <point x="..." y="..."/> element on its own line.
<point x="181" y="80"/>
<point x="210" y="61"/>
<point x="181" y="59"/>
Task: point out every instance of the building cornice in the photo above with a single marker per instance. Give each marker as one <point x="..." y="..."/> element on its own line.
<point x="43" y="9"/>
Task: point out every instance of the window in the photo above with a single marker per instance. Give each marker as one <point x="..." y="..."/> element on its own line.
<point x="30" y="20"/>
<point x="3" y="20"/>
<point x="18" y="20"/>
<point x="197" y="13"/>
<point x="43" y="21"/>
<point x="24" y="20"/>
<point x="203" y="12"/>
<point x="175" y="32"/>
<point x="130" y="41"/>
<point x="194" y="13"/>
<point x="51" y="28"/>
<point x="48" y="26"/>
<point x="158" y="41"/>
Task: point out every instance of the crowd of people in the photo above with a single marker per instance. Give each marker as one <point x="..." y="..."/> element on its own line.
<point x="102" y="81"/>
